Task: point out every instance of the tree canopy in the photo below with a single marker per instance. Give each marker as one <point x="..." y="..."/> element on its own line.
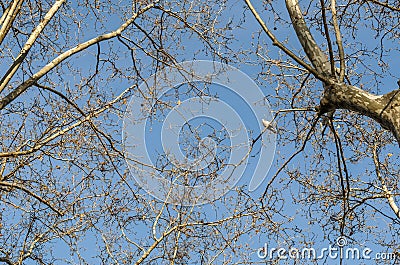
<point x="69" y="70"/>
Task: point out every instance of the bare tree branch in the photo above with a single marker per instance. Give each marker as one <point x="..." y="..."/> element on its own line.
<point x="61" y="132"/>
<point x="387" y="192"/>
<point x="8" y="17"/>
<point x="31" y="193"/>
<point x="316" y="72"/>
<point x="338" y="41"/>
<point x="28" y="45"/>
<point x="328" y="38"/>
<point x="80" y="47"/>
<point x="385" y="4"/>
<point x="310" y="47"/>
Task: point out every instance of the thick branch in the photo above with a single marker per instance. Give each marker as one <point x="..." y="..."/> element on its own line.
<point x="385" y="109"/>
<point x="275" y="42"/>
<point x="8" y="18"/>
<point x="29" y="43"/>
<point x="310" y="47"/>
<point x="80" y="47"/>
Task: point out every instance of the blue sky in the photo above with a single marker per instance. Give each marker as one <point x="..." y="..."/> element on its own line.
<point x="305" y="224"/>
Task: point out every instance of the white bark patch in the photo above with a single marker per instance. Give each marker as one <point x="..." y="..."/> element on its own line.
<point x="367" y="94"/>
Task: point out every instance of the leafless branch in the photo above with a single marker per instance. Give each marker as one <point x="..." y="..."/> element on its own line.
<point x="387" y="192"/>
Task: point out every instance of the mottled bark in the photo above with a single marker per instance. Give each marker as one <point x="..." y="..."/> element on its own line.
<point x="317" y="57"/>
<point x="384" y="109"/>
